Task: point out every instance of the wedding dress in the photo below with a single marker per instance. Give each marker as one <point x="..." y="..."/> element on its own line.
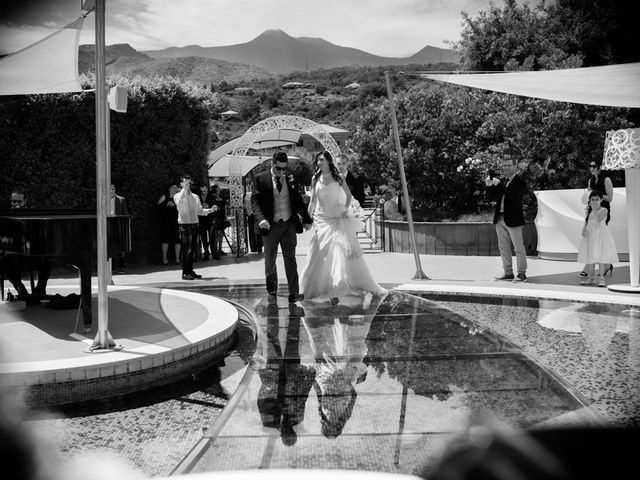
<point x="335" y="264"/>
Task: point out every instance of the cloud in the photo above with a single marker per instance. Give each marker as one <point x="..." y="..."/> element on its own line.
<point x="389" y="28"/>
<point x="398" y="28"/>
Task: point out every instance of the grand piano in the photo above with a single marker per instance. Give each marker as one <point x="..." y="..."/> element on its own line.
<point x="65" y="236"/>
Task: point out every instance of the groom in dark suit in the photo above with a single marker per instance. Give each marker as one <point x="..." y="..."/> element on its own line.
<point x="277" y="205"/>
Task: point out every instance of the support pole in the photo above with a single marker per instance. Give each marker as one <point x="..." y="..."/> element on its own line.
<point x="632" y="183"/>
<point x="103" y="339"/>
<point x="403" y="179"/>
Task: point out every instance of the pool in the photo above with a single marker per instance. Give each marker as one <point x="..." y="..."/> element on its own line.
<point x="384" y="385"/>
<point x="375" y="384"/>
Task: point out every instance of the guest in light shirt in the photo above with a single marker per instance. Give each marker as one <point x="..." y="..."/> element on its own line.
<point x="189" y="207"/>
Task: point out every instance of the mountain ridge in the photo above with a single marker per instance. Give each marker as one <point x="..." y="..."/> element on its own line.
<point x="278" y="52"/>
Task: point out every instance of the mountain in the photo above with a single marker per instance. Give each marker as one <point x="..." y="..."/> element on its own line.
<point x="121" y="52"/>
<point x="122" y="58"/>
<point x="278" y="52"/>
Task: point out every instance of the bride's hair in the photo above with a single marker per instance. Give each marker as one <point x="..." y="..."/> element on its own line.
<point x="332" y="167"/>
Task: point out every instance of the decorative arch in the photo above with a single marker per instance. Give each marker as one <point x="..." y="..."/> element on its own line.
<point x="253" y="135"/>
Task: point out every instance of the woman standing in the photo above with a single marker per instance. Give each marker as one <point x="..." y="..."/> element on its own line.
<point x="169" y="233"/>
<point x="335" y="265"/>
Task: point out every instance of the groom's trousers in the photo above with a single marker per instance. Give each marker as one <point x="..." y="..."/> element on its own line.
<point x="284" y="235"/>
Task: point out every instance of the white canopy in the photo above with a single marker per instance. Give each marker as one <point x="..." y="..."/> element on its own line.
<point x="272" y="139"/>
<point x="47" y="66"/>
<point x="221" y="167"/>
<point x="610" y="85"/>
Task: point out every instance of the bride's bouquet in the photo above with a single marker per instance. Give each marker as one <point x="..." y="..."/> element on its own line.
<point x="354" y="210"/>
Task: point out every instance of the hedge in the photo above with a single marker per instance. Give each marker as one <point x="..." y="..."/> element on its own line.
<point x="48" y="146"/>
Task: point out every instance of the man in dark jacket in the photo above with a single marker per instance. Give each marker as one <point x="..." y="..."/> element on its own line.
<point x="277" y="205"/>
<point x="354" y="182"/>
<point x="509" y="220"/>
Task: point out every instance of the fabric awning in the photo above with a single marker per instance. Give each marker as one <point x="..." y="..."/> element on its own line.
<point x="221" y="168"/>
<point x="272" y="139"/>
<point x="610" y="85"/>
<point x="47" y="66"/>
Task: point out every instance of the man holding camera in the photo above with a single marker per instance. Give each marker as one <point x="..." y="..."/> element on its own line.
<point x="189" y="207"/>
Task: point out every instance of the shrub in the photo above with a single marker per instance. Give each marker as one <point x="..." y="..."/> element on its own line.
<point x="49" y="145"/>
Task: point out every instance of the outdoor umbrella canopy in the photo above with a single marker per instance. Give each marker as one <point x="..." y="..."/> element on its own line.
<point x="273" y="139"/>
<point x="609" y="85"/>
<point x="221" y="168"/>
<point x="47" y="66"/>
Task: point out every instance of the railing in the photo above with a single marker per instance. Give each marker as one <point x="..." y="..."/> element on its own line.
<point x="371" y="229"/>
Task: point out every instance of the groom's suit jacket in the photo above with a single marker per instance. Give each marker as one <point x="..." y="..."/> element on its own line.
<point x="262" y="200"/>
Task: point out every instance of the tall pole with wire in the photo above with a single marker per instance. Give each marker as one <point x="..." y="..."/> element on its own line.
<point x="420" y="275"/>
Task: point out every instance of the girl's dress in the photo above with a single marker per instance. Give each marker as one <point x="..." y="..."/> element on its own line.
<point x="335" y="265"/>
<point x="598" y="245"/>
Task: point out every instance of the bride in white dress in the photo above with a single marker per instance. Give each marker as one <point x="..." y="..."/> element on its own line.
<point x="335" y="266"/>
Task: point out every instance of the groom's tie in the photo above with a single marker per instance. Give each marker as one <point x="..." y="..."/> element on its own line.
<point x="278" y="183"/>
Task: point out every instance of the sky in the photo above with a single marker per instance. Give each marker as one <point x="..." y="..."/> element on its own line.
<point x="394" y="28"/>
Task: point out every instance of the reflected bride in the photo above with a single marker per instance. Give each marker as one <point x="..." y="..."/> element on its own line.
<point x="338" y="350"/>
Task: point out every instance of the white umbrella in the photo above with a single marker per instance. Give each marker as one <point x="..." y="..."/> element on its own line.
<point x="221" y="167"/>
<point x="273" y="139"/>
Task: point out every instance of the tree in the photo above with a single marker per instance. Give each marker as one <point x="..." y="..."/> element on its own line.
<point x="562" y="34"/>
<point x="249" y="109"/>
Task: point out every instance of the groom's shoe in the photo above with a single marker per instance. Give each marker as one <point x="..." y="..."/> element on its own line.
<point x="296" y="297"/>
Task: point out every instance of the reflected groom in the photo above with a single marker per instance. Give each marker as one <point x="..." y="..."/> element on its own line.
<point x="277" y="205"/>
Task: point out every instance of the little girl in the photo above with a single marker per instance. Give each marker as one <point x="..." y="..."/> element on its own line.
<point x="597" y="244"/>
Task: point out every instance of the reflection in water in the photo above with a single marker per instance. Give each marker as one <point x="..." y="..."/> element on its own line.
<point x="285" y="382"/>
<point x="382" y="384"/>
<point x="338" y="348"/>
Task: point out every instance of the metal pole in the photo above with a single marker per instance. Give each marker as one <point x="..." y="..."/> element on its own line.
<point x="109" y="268"/>
<point x="103" y="339"/>
<point x="420" y="275"/>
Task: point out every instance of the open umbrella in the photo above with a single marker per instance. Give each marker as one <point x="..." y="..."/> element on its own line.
<point x="273" y="139"/>
<point x="221" y="167"/>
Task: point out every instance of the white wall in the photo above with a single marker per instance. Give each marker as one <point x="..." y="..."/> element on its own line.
<point x="560" y="218"/>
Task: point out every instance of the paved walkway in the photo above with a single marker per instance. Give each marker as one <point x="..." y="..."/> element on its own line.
<point x="546" y="278"/>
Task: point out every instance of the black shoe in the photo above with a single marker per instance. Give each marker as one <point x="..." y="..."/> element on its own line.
<point x="287" y="433"/>
<point x="206" y="256"/>
<point x="296" y="297"/>
<point x="195" y="275"/>
<point x="521" y="277"/>
<point x="506" y="276"/>
<point x="188" y="276"/>
<point x="223" y="253"/>
<point x="215" y="256"/>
